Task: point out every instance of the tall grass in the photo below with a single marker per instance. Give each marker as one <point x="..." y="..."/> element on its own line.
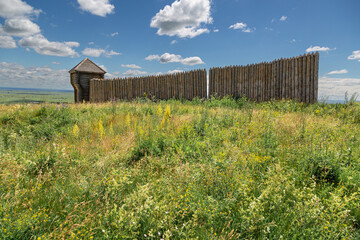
<point x="219" y="169"/>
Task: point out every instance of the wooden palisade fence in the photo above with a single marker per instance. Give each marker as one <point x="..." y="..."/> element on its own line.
<point x="188" y="85"/>
<point x="292" y="78"/>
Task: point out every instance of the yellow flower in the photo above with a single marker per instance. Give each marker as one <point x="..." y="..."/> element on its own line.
<point x="127" y="120"/>
<point x="159" y="111"/>
<point x="101" y="128"/>
<point x="76" y="130"/>
<point x="167" y="112"/>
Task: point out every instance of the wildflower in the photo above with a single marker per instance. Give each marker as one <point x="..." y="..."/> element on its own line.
<point x="145" y="235"/>
<point x="159" y="111"/>
<point x="103" y="231"/>
<point x="167" y="112"/>
<point x="76" y="130"/>
<point x="101" y="128"/>
<point x="127" y="120"/>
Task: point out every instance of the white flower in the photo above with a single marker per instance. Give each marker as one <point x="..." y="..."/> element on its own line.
<point x="103" y="231"/>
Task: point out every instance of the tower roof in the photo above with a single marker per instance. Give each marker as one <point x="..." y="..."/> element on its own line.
<point x="88" y="66"/>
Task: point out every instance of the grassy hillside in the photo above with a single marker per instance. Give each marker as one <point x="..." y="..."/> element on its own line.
<point x="221" y="169"/>
<point x="8" y="97"/>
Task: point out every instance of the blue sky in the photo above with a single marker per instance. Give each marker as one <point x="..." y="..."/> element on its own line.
<point x="41" y="40"/>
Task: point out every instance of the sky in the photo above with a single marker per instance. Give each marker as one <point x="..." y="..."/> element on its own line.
<point x="40" y="41"/>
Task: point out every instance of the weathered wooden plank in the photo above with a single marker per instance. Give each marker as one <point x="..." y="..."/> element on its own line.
<point x="316" y="84"/>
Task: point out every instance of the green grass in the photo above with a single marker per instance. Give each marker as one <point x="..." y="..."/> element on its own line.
<point x="218" y="169"/>
<point x="8" y="97"/>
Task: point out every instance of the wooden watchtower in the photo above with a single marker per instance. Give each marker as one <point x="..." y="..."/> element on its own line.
<point x="80" y="77"/>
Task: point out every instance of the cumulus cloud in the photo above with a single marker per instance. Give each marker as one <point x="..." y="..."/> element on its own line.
<point x="97" y="52"/>
<point x="175" y="71"/>
<point x="102" y="67"/>
<point x="338" y="72"/>
<point x="173" y="42"/>
<point x="114" y="34"/>
<point x="7" y="42"/>
<point x="242" y="26"/>
<point x="14" y="75"/>
<point x="184" y="18"/>
<point x="16" y="8"/>
<point x="216" y="30"/>
<point x="132" y="72"/>
<point x="172" y="58"/>
<point x="319" y="49"/>
<point x="335" y="88"/>
<point x="43" y="46"/>
<point x="20" y="27"/>
<point x="17" y="16"/>
<point x="192" y="61"/>
<point x="97" y="7"/>
<point x="130" y="66"/>
<point x="355" y="55"/>
<point x="283" y="18"/>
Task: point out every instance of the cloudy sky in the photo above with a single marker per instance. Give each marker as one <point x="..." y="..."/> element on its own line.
<point x="41" y="40"/>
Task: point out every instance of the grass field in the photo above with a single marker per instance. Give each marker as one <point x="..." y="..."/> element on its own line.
<point x="220" y="169"/>
<point x="30" y="96"/>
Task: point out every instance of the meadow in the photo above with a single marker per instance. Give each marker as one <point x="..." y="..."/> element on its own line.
<point x="21" y="96"/>
<point x="217" y="169"/>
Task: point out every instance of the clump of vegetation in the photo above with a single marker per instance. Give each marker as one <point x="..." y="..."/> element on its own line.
<point x="217" y="169"/>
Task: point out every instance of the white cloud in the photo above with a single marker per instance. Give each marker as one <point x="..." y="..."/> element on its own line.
<point x="319" y="49"/>
<point x="335" y="88"/>
<point x="132" y="72"/>
<point x="102" y="67"/>
<point x="184" y="18"/>
<point x="16" y="8"/>
<point x="21" y="27"/>
<point x="97" y="7"/>
<point x="216" y="30"/>
<point x="175" y="71"/>
<point x="355" y="55"/>
<point x="242" y="26"/>
<point x="93" y="52"/>
<point x="338" y="72"/>
<point x="16" y="75"/>
<point x="91" y="43"/>
<point x="7" y="42"/>
<point x="192" y="61"/>
<point x="172" y="58"/>
<point x="173" y="42"/>
<point x="56" y="63"/>
<point x="283" y="18"/>
<point x="112" y="53"/>
<point x="130" y="66"/>
<point x="293" y="40"/>
<point x="110" y="76"/>
<point x="239" y="25"/>
<point x="43" y="46"/>
<point x="97" y="52"/>
<point x="114" y="34"/>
